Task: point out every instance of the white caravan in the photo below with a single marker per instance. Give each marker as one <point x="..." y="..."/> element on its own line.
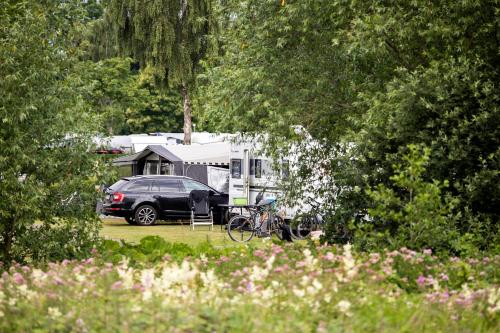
<point x="251" y="173"/>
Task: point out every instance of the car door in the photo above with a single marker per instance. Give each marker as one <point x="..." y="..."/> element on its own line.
<point x="170" y="197"/>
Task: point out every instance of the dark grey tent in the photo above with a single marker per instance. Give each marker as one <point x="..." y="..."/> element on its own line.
<point x="154" y="160"/>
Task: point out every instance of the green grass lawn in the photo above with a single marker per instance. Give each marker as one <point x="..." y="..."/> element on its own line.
<point x="173" y="232"/>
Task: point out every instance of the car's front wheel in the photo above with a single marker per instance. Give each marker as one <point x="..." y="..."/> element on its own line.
<point x="146" y="215"/>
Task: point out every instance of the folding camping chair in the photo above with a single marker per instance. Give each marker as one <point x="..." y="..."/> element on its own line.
<point x="201" y="213"/>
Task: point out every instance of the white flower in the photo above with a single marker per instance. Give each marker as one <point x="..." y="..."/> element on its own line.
<point x="54" y="313"/>
<point x="147" y="278"/>
<point x="317" y="285"/>
<point x="136" y="308"/>
<point x="299" y="292"/>
<point x="494" y="301"/>
<point x="316" y="235"/>
<point x="349" y="261"/>
<point x="270" y="261"/>
<point x="344" y="307"/>
<point x="126" y="275"/>
<point x="203" y="258"/>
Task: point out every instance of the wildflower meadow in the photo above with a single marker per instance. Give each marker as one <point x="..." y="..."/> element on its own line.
<point x="162" y="287"/>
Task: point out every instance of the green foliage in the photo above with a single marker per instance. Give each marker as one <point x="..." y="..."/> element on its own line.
<point x="413" y="212"/>
<point x="125" y="99"/>
<point x="162" y="112"/>
<point x="112" y="89"/>
<point x="366" y="79"/>
<point x="47" y="176"/>
<point x="154" y="249"/>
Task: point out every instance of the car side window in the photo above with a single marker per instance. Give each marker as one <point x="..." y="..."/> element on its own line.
<point x="140" y="186"/>
<point x="166" y="185"/>
<point x="190" y="185"/>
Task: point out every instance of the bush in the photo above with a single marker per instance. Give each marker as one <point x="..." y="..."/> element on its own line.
<point x="68" y="239"/>
<point x="412" y="212"/>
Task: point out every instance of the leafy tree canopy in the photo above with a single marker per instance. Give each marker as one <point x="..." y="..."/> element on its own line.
<point x="47" y="176"/>
<point x="367" y="79"/>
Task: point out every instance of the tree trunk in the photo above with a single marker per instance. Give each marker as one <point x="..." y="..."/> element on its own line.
<point x="187" y="115"/>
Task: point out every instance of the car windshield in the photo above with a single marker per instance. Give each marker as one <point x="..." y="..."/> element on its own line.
<point x="116" y="186"/>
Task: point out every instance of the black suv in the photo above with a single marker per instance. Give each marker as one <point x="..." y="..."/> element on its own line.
<point x="144" y="199"/>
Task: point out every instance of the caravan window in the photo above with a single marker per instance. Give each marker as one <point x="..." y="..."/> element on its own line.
<point x="267" y="168"/>
<point x="258" y="168"/>
<point x="236" y="168"/>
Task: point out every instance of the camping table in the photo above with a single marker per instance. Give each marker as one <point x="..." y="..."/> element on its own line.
<point x="227" y="207"/>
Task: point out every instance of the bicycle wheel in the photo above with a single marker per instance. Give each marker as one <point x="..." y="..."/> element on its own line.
<point x="303" y="228"/>
<point x="240" y="228"/>
<point x="277" y="226"/>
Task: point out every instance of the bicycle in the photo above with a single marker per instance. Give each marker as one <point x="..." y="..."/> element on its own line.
<point x="262" y="222"/>
<point x="306" y="225"/>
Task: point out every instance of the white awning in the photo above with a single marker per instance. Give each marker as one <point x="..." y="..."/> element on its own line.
<point x="211" y="153"/>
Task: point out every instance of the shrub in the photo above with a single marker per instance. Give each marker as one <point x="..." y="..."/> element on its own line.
<point x="412" y="212"/>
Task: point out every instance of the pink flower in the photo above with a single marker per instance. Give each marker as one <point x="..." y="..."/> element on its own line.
<point x="259" y="253"/>
<point x="94" y="251"/>
<point x="427" y="252"/>
<point x="58" y="281"/>
<point x="117" y="285"/>
<point x="329" y="256"/>
<point x="300" y="263"/>
<point x="277" y="249"/>
<point x="237" y="273"/>
<point x="421" y="280"/>
<point x="281" y="269"/>
<point x="444" y="277"/>
<point x="374" y="258"/>
<point x="18" y="278"/>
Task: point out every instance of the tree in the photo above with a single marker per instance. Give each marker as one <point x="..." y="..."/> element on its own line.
<point x="47" y="176"/>
<point x="367" y="79"/>
<point x="125" y="99"/>
<point x="171" y="37"/>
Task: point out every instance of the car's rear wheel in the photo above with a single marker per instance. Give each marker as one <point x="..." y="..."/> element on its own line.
<point x="130" y="220"/>
<point x="145" y="215"/>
